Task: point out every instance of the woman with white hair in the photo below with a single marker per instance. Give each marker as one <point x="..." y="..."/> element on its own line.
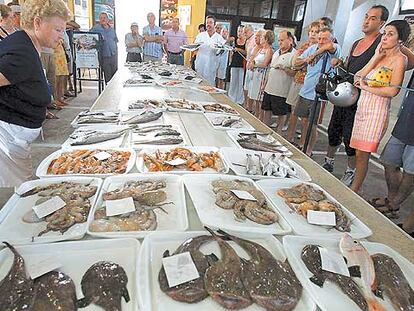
<point x="24" y="92"/>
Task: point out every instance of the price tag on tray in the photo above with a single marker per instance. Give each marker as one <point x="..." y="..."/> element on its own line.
<point x="243" y="195"/>
<point x="119" y="207"/>
<point x="102" y="156"/>
<point x="321" y="218"/>
<point x="179" y="269"/>
<point x="48" y="207"/>
<point x="333" y="262"/>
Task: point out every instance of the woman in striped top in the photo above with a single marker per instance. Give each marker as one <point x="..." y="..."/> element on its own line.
<point x="377" y="81"/>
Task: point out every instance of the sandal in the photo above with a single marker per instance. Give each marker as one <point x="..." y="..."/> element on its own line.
<point x="409" y="233"/>
<point x="375" y="202"/>
<point x="388" y="212"/>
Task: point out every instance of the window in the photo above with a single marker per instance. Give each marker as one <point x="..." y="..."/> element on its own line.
<point x="255" y="8"/>
<point x="228" y="7"/>
<point x="288" y="10"/>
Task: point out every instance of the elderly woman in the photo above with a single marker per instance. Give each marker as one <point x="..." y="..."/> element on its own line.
<point x="24" y="92"/>
<point x="377" y="81"/>
<point x="6" y="21"/>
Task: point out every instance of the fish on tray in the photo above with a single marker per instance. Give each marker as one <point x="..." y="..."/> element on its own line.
<point x="147" y="196"/>
<point x="87" y="116"/>
<point x="54" y="291"/>
<point x="230" y="122"/>
<point x="76" y="197"/>
<point x="104" y="284"/>
<point x="277" y="165"/>
<point x="16" y="289"/>
<point x="145" y="104"/>
<point x="357" y="256"/>
<point x="138" y="81"/>
<point x="195" y="290"/>
<point x="303" y="197"/>
<point x="217" y="107"/>
<point x="257" y="211"/>
<point x="144" y="117"/>
<point x="271" y="284"/>
<point x="83" y="161"/>
<point x="223" y="280"/>
<point x="192" y="161"/>
<point x="85" y="136"/>
<point x="312" y="259"/>
<point x="182" y="104"/>
<point x="392" y="283"/>
<point x="254" y="143"/>
<point x="157" y="135"/>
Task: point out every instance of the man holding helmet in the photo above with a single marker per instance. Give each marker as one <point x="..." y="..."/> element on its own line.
<point x="342" y="119"/>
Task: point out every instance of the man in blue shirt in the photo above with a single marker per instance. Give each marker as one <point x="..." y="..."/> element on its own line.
<point x="109" y="48"/>
<point x="153" y="40"/>
<point x="313" y="57"/>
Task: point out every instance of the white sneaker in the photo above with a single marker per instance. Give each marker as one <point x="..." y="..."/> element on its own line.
<point x="348" y="177"/>
<point x="274" y="124"/>
<point x="285" y="128"/>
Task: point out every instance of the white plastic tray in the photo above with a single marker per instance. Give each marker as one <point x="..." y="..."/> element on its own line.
<point x="113" y="143"/>
<point x="172" y="109"/>
<point x="74" y="122"/>
<point x="233" y="134"/>
<point x="17" y="232"/>
<point x="330" y="297"/>
<point x="243" y="125"/>
<point x="299" y="223"/>
<point x="77" y="257"/>
<point x="176" y="220"/>
<point x="238" y="156"/>
<point x="203" y="197"/>
<point x="152" y="298"/>
<point x="41" y="170"/>
<point x="219" y="112"/>
<point x="142" y="168"/>
<point x="137" y="145"/>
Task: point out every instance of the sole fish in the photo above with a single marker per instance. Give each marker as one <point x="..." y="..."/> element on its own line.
<point x="54" y="291"/>
<point x="271" y="283"/>
<point x="312" y="259"/>
<point x="104" y="284"/>
<point x="192" y="291"/>
<point x="223" y="278"/>
<point x="16" y="289"/>
<point x="392" y="283"/>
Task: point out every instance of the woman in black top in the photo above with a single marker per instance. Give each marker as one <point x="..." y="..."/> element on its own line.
<point x="24" y="92"/>
<point x="236" y="68"/>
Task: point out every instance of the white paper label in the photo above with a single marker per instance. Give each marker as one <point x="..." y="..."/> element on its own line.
<point x="321" y="218"/>
<point x="49" y="207"/>
<point x="176" y="162"/>
<point x="103" y="155"/>
<point x="42" y="266"/>
<point x="179" y="269"/>
<point x="243" y="195"/>
<point x="118" y="207"/>
<point x="333" y="262"/>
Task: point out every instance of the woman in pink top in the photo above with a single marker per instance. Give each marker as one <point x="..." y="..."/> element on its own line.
<point x="371" y="119"/>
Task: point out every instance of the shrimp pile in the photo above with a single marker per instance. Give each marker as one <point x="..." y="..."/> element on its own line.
<point x="83" y="161"/>
<point x="193" y="161"/>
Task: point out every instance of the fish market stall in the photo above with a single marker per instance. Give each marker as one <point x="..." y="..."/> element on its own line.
<point x="183" y="201"/>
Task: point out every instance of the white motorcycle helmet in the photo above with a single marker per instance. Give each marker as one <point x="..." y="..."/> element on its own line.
<point x="342" y="94"/>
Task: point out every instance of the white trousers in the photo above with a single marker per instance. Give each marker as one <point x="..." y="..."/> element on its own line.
<point x="15" y="157"/>
<point x="236" y="85"/>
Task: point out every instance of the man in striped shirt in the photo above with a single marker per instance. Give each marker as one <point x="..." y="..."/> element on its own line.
<point x="153" y="40"/>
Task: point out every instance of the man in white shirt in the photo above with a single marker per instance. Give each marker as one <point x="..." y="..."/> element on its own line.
<point x="207" y="60"/>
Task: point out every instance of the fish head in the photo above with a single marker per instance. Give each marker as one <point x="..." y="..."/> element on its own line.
<point x="350" y="245"/>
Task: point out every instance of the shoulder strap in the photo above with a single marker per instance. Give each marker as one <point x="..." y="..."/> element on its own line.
<point x="354" y="46"/>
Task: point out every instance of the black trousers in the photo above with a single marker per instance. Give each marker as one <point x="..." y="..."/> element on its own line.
<point x="134" y="57"/>
<point x="109" y="66"/>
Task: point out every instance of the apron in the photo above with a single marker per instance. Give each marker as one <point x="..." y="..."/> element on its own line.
<point x="15" y="157"/>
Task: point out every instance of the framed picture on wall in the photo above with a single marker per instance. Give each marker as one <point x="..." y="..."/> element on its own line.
<point x="168" y="10"/>
<point x="256" y="26"/>
<point x="225" y="23"/>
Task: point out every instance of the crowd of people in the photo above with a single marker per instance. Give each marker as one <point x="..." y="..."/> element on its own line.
<point x="281" y="84"/>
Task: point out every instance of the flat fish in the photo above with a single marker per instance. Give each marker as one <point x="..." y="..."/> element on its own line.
<point x="104" y="284"/>
<point x="191" y="291"/>
<point x="312" y="259"/>
<point x="392" y="283"/>
<point x="97" y="138"/>
<point x="271" y="283"/>
<point x="54" y="291"/>
<point x="16" y="289"/>
<point x="147" y="116"/>
<point x="223" y="278"/>
<point x="255" y="144"/>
